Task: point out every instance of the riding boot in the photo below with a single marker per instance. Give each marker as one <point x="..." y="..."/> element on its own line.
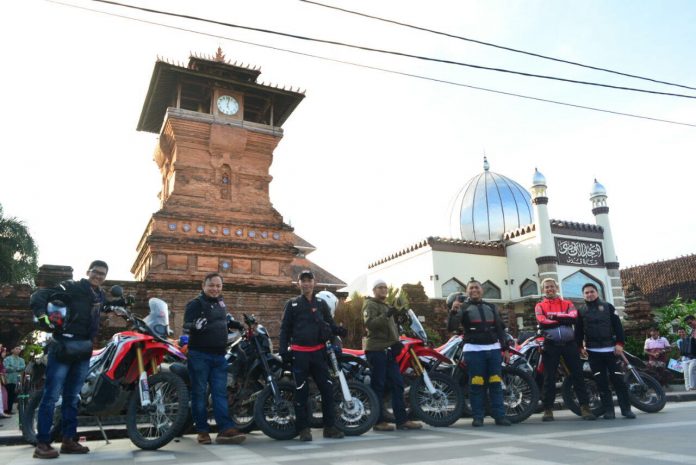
<point x="586" y="412"/>
<point x="608" y="406"/>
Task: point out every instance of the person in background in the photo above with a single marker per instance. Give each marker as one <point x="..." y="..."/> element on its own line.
<point x="657" y="349"/>
<point x="14" y="367"/>
<point x="687" y="350"/>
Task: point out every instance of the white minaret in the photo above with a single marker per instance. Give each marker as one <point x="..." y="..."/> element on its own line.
<point x="546" y="257"/>
<point x="600" y="209"/>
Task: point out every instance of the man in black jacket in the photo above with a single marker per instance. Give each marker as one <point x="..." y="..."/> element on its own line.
<point x="306" y="326"/>
<point x="83" y="300"/>
<point x="599" y="327"/>
<point x="206" y="320"/>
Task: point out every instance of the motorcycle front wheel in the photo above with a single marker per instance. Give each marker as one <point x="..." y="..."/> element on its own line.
<point x="358" y="416"/>
<point x="276" y="419"/>
<point x="440" y="408"/>
<point x="156" y="425"/>
<point x="520" y="395"/>
<point x="570" y="400"/>
<point x="30" y="416"/>
<point x="649" y="398"/>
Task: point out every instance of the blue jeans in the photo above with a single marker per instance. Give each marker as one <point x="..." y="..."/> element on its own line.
<point x="385" y="373"/>
<point x="64" y="379"/>
<point x="209" y="369"/>
<point x="485" y="368"/>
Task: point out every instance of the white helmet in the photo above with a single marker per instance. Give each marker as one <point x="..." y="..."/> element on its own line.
<point x="330" y="299"/>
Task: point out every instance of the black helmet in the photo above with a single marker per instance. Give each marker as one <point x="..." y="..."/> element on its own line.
<point x="452" y="297"/>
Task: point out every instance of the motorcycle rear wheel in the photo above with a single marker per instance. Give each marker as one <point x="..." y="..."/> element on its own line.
<point x="30" y="416"/>
<point x="651" y="398"/>
<point x="442" y="408"/>
<point x="276" y="421"/>
<point x="163" y="420"/>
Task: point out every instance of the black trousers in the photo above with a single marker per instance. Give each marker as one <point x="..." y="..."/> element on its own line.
<point x="604" y="366"/>
<point x="312" y="364"/>
<point x="571" y="356"/>
<point x="11" y="396"/>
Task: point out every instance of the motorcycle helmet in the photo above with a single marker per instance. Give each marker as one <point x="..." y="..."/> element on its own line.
<point x="56" y="311"/>
<point x="452" y="297"/>
<point x="330" y="299"/>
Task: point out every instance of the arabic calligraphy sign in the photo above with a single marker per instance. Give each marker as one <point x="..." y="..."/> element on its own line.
<point x="579" y="253"/>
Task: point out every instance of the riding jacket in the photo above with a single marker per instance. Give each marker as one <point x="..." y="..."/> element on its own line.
<point x="598" y="325"/>
<point x="300" y="324"/>
<point x="481" y="322"/>
<point x="551" y="313"/>
<point x="84" y="304"/>
<point x="212" y="338"/>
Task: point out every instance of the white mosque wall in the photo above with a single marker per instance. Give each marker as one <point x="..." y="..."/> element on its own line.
<point x="411" y="268"/>
<point x="522" y="265"/>
<point x="463" y="267"/>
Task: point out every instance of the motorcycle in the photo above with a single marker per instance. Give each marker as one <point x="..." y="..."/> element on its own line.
<point x="251" y="365"/>
<point x="644" y="392"/>
<point x="434" y="396"/>
<point x="520" y="391"/>
<point x="125" y="377"/>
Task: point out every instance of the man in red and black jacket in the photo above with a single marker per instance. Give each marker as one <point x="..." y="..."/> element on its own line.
<point x="556" y="317"/>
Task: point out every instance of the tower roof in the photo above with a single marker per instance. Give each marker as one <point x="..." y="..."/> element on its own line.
<point x="214" y="71"/>
<point x="488" y="205"/>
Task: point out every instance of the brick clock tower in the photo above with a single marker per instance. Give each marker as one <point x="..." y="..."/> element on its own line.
<point x="218" y="128"/>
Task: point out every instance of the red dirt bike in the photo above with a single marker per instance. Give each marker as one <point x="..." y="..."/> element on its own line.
<point x="520" y="391"/>
<point x="434" y="397"/>
<point x="124" y="377"/>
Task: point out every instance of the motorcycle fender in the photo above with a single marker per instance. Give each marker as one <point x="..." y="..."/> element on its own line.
<point x="428" y="352"/>
<point x="106" y="392"/>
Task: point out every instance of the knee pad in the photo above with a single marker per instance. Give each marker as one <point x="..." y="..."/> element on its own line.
<point x="477" y="380"/>
<point x="494" y="379"/>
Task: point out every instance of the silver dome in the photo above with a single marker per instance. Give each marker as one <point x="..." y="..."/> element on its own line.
<point x="489" y="205"/>
<point x="538" y="179"/>
<point x="597" y="189"/>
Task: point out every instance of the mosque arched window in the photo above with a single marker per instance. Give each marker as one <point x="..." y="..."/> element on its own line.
<point x="490" y="290"/>
<point x="571" y="286"/>
<point x="529" y="287"/>
<point x="452" y="285"/>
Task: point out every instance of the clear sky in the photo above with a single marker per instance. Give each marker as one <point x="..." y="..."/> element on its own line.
<point x="370" y="161"/>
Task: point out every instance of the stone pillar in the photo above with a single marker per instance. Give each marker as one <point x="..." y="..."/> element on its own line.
<point x="51" y="275"/>
<point x="638" y="314"/>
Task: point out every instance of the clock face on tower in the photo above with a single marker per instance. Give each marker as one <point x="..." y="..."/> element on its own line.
<point x="228" y="105"/>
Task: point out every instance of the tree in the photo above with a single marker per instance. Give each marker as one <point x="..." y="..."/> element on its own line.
<point x="18" y="252"/>
<point x="671" y="317"/>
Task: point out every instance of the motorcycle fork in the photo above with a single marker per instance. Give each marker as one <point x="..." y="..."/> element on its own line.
<point x="339" y="373"/>
<point x="420" y="371"/>
<point x="267" y="370"/>
<point x="143" y="386"/>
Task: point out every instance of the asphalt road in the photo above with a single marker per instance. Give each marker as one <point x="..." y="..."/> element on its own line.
<point x="662" y="438"/>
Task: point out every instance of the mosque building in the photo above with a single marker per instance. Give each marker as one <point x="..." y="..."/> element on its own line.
<point x="507" y="241"/>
